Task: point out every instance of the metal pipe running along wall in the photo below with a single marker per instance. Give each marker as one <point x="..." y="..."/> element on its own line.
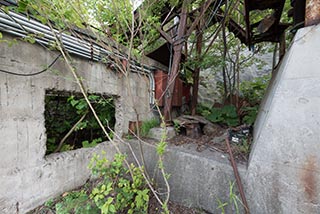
<point x="21" y="26"/>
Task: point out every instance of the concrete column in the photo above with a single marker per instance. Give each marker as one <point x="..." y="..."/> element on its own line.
<point x="284" y="166"/>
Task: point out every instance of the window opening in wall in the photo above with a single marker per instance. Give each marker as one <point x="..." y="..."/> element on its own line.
<point x="70" y="123"/>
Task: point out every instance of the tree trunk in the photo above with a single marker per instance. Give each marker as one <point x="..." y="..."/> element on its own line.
<point x="196" y="73"/>
<point x="224" y="73"/>
<point x="174" y="71"/>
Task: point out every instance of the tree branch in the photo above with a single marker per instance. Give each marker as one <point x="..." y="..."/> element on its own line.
<point x="69" y="133"/>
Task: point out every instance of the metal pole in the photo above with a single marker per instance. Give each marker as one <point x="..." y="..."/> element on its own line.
<point x="238" y="179"/>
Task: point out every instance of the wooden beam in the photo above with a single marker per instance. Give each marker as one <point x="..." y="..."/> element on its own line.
<point x="174" y="72"/>
<point x="197" y="20"/>
<point x="247" y="20"/>
<point x="165" y="35"/>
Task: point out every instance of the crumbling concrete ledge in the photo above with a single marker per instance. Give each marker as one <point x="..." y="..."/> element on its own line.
<point x="23" y="189"/>
<point x="196" y="179"/>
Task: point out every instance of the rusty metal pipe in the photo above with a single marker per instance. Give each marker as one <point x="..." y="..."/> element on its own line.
<point x="238" y="179"/>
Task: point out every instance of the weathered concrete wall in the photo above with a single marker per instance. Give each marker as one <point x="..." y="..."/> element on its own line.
<point x="196" y="179"/>
<point x="27" y="176"/>
<point x="284" y="168"/>
<point x="283" y="174"/>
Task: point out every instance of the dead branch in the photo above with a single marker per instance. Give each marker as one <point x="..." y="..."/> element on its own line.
<point x="69" y="133"/>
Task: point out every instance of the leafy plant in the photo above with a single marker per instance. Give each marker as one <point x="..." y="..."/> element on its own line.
<point x="250" y="114"/>
<point x="71" y="125"/>
<point x="147" y="125"/>
<point x="117" y="193"/>
<point x="77" y="202"/>
<point x="221" y="206"/>
<point x="203" y="109"/>
<point x="118" y="190"/>
<point x="87" y="144"/>
<point x="244" y="147"/>
<point x="176" y="126"/>
<point x="233" y="202"/>
<point x="226" y="114"/>
<point x="254" y="90"/>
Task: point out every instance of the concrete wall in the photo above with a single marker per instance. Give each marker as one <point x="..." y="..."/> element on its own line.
<point x="196" y="179"/>
<point x="27" y="176"/>
<point x="284" y="168"/>
<point x="283" y="174"/>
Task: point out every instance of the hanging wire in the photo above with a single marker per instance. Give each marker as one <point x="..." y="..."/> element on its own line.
<point x="33" y="74"/>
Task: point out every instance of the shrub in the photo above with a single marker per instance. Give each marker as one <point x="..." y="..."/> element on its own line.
<point x="147" y="125"/>
<point x="227" y="115"/>
<point x="117" y="193"/>
<point x="254" y="90"/>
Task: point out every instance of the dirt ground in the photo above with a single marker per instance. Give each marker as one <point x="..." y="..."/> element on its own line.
<point x="154" y="208"/>
<point x="212" y="136"/>
<point x="240" y="152"/>
<point x="174" y="208"/>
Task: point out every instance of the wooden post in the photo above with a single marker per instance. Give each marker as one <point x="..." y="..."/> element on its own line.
<point x="247" y="20"/>
<point x="177" y="48"/>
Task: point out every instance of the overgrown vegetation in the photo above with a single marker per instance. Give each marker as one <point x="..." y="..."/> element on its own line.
<point x="69" y="123"/>
<point x="116" y="193"/>
<point x="232" y="204"/>
<point x="227" y="114"/>
<point x="254" y="90"/>
<point x="147" y="125"/>
<point x="86" y="121"/>
<point x="115" y="189"/>
<point x="252" y="93"/>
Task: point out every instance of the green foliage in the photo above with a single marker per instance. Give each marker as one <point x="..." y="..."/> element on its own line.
<point x="254" y="90"/>
<point x="203" y="109"/>
<point x="119" y="190"/>
<point x="77" y="202"/>
<point x="161" y="147"/>
<point x="112" y="16"/>
<point x="233" y="202"/>
<point x="87" y="144"/>
<point x="221" y="206"/>
<point x="250" y="114"/>
<point x="147" y="125"/>
<point x="117" y="193"/>
<point x="233" y="197"/>
<point x="63" y="13"/>
<point x="244" y="147"/>
<point x="62" y="113"/>
<point x="226" y="114"/>
<point x="176" y="126"/>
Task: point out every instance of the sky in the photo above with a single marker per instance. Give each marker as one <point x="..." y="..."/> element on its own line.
<point x="136" y="3"/>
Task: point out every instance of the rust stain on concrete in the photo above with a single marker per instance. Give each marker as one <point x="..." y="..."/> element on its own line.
<point x="312" y="12"/>
<point x="309" y="178"/>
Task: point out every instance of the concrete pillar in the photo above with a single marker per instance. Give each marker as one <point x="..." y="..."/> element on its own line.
<point x="284" y="166"/>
